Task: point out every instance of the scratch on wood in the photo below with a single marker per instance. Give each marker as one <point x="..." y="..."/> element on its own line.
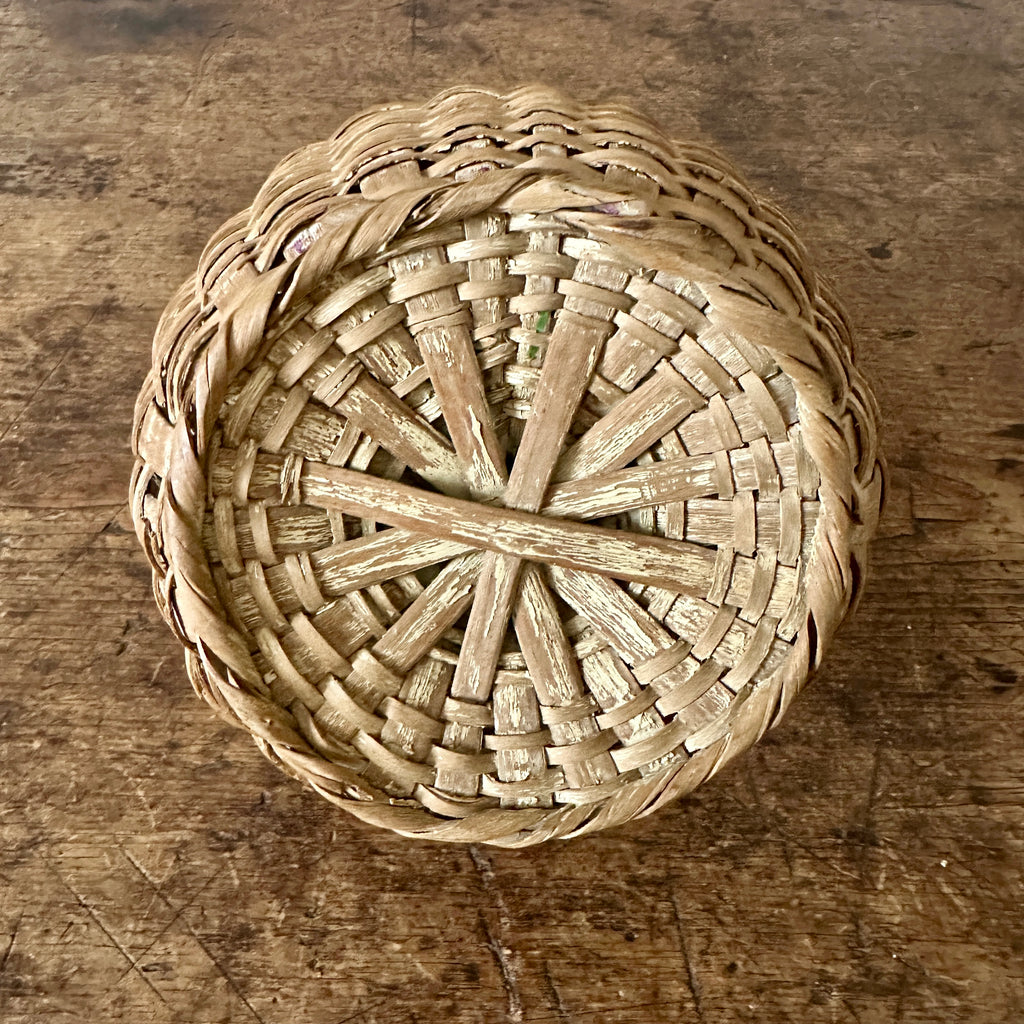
<point x="136" y="786"/>
<point x="852" y="1010"/>
<point x="556" y="996"/>
<point x="869" y="810"/>
<point x="503" y="955"/>
<point x="39" y="387"/>
<point x="506" y="966"/>
<point x="414" y="17"/>
<point x="145" y="874"/>
<point x="789" y="840"/>
<point x="691" y="975"/>
<point x="768" y="818"/>
<point x="873" y="783"/>
<point x="199" y="73"/>
<point x="232" y="984"/>
<point x="10" y="945"/>
<point x="602" y="1013"/>
<point x="78" y="555"/>
<point x="163" y="899"/>
<point x="35" y="391"/>
<point x="361" y="1012"/>
<point x="106" y="931"/>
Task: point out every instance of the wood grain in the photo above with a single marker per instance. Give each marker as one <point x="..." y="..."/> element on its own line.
<point x="862" y="864"/>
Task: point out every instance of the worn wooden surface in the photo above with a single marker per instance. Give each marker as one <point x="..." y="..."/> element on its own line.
<point x="862" y="864"/>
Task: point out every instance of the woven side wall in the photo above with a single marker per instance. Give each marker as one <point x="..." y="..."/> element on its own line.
<point x="331" y="403"/>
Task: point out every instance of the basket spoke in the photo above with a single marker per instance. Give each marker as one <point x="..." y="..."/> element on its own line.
<point x="432" y="613"/>
<point x="572" y="354"/>
<point x="437" y="320"/>
<point x="632" y="426"/>
<point x="381" y="415"/>
<point x="556" y="676"/>
<point x="678" y="566"/>
<point x="355" y="564"/>
<point x="657" y="483"/>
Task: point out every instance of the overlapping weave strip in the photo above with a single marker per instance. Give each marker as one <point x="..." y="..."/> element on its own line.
<point x="503" y="468"/>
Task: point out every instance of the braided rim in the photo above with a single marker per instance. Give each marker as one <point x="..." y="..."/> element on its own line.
<point x="309" y="217"/>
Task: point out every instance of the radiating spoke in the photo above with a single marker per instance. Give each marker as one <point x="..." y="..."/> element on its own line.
<point x="381" y="415"/>
<point x="439" y="325"/>
<point x="355" y="564"/>
<point x="573" y="349"/>
<point x="426" y="620"/>
<point x="632" y="425"/>
<point x="678" y="566"/>
<point x="656" y="483"/>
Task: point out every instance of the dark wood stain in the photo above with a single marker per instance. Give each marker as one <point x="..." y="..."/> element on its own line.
<point x="122" y="26"/>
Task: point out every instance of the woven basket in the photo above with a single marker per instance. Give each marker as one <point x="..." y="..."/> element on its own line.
<point x="503" y="468"/>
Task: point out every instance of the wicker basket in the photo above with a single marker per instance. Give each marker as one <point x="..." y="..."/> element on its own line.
<point x="503" y="468"/>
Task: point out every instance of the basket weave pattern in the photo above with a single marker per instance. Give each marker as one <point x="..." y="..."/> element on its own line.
<point x="504" y="469"/>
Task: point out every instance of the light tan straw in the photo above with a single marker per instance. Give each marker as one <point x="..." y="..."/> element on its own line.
<point x="504" y="469"/>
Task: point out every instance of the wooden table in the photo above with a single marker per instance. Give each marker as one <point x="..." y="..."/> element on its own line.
<point x="863" y="864"/>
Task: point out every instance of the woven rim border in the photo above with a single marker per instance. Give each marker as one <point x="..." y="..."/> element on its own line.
<point x="309" y="217"/>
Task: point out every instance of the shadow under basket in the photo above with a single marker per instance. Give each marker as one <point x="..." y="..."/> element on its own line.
<point x="503" y="468"/>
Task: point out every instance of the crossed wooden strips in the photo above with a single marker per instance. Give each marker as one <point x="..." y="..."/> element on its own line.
<point x="507" y="467"/>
